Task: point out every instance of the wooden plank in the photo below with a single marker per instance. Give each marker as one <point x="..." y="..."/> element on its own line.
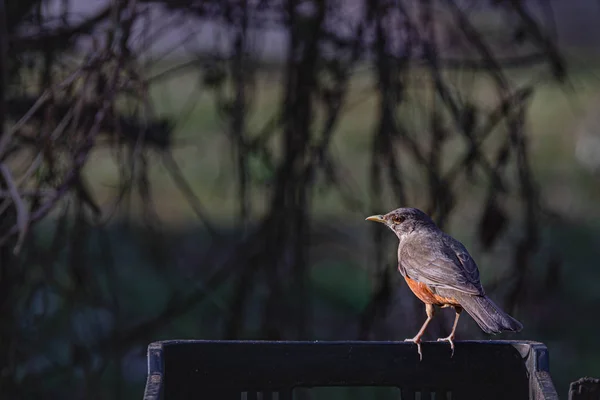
<point x="465" y="394"/>
<point x="407" y="394"/>
<point x="268" y="365"/>
<point x="285" y="394"/>
<point x="267" y="395"/>
<point x="222" y="394"/>
<point x="185" y="369"/>
<point x="441" y="395"/>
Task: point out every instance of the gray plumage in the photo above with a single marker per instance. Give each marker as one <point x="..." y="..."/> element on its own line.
<point x="489" y="317"/>
<point x="428" y="255"/>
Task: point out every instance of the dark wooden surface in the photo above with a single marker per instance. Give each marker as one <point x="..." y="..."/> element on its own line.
<point x="225" y="369"/>
<point x="585" y="389"/>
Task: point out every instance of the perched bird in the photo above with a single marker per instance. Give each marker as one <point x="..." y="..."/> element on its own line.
<point x="440" y="272"/>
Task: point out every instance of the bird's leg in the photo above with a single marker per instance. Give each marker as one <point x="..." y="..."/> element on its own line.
<point x="450" y="338"/>
<point x="417" y="339"/>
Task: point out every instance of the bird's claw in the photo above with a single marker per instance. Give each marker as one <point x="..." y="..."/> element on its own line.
<point x="417" y="341"/>
<point x="449" y="339"/>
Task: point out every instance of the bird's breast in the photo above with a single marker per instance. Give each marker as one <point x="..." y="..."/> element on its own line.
<point x="427" y="295"/>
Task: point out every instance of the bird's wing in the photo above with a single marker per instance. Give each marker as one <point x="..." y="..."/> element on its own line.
<point x="440" y="261"/>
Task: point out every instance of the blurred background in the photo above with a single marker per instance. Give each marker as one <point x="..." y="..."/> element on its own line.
<point x="203" y="168"/>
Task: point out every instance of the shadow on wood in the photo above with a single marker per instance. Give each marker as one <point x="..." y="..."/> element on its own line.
<point x="227" y="369"/>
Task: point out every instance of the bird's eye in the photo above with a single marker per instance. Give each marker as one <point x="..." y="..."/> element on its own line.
<point x="398" y="219"/>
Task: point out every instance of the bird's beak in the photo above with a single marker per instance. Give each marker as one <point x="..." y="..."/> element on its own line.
<point x="376" y="218"/>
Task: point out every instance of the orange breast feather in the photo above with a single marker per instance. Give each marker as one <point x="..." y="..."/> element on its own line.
<point x="426" y="295"/>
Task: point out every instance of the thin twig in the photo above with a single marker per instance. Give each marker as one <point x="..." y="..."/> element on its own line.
<point x="21" y="207"/>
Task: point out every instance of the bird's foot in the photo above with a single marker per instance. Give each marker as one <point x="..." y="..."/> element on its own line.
<point x="416" y="340"/>
<point x="449" y="339"/>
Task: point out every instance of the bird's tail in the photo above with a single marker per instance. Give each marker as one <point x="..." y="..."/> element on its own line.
<point x="489" y="317"/>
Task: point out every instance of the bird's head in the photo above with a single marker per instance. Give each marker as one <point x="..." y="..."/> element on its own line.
<point x="403" y="220"/>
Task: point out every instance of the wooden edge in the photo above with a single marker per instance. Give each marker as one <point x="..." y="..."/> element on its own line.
<point x="154" y="381"/>
<point x="537" y="360"/>
<point x="522" y="346"/>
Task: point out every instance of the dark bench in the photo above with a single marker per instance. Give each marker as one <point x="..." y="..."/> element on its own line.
<point x="198" y="369"/>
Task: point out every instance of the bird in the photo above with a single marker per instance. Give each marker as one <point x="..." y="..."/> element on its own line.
<point x="441" y="273"/>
